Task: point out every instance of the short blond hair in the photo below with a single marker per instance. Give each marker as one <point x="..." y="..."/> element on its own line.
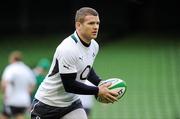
<point x="15" y="55"/>
<point x="84" y="11"/>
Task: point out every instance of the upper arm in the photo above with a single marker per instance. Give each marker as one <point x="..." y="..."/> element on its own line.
<point x="6" y="77"/>
<point x="7" y="74"/>
<point x="67" y="61"/>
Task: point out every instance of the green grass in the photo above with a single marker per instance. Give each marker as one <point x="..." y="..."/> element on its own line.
<point x="149" y="65"/>
<point x="151" y="69"/>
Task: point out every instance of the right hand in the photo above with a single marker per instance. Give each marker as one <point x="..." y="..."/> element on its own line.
<point x="109" y="96"/>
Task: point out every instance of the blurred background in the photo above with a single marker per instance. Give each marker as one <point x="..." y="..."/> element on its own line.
<point x="139" y="42"/>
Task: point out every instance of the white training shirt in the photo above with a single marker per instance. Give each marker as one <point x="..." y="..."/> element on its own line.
<point x="71" y="56"/>
<point x="18" y="77"/>
<point x="87" y="100"/>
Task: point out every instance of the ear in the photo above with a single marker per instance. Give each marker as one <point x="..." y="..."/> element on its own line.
<point x="78" y="24"/>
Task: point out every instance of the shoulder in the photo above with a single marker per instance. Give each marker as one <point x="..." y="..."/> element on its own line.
<point x="8" y="72"/>
<point x="67" y="48"/>
<point x="68" y="45"/>
<point x="26" y="67"/>
<point x="95" y="45"/>
<point x="7" y="68"/>
<point x="94" y="42"/>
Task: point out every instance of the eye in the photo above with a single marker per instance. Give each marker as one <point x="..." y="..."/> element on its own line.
<point x="98" y="23"/>
<point x="91" y="23"/>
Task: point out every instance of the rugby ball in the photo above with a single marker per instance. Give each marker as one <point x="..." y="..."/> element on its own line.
<point x="117" y="84"/>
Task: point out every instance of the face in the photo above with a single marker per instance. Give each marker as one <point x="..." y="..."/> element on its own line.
<point x="89" y="28"/>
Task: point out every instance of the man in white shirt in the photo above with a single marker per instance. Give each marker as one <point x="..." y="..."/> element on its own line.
<point x="72" y="64"/>
<point x="18" y="81"/>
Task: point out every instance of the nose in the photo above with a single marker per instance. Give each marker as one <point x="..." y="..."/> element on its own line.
<point x="96" y="26"/>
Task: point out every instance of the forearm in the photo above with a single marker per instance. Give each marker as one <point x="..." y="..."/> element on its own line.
<point x="3" y="85"/>
<point x="31" y="88"/>
<point x="93" y="77"/>
<point x="73" y="86"/>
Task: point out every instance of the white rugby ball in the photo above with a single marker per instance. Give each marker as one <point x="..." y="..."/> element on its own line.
<point x="117" y="84"/>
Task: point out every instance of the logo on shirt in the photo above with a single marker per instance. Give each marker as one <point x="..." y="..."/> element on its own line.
<point x="81" y="58"/>
<point x="93" y="54"/>
<point x="65" y="66"/>
<point x="37" y="117"/>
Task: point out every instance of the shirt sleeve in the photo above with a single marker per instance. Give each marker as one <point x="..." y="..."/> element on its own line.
<point x="7" y="74"/>
<point x="67" y="62"/>
<point x="73" y="86"/>
<point x="32" y="77"/>
<point x="93" y="77"/>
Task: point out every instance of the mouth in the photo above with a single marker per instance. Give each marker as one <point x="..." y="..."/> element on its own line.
<point x="94" y="33"/>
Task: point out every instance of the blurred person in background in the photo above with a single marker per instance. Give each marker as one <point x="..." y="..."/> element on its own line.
<point x="17" y="84"/>
<point x="57" y="96"/>
<point x="40" y="72"/>
<point x="87" y="101"/>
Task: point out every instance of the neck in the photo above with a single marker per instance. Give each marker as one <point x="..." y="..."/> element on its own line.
<point x="84" y="41"/>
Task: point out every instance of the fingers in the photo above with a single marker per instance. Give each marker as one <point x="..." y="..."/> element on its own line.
<point x="108" y="96"/>
<point x="114" y="93"/>
<point x="111" y="99"/>
<point x="107" y="84"/>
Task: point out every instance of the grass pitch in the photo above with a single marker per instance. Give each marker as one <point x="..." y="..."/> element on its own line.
<point x="149" y="65"/>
